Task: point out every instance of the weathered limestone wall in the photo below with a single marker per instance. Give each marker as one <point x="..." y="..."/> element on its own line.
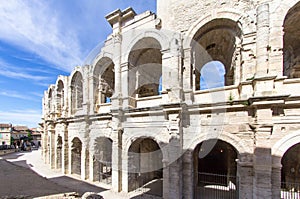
<point x="257" y="115"/>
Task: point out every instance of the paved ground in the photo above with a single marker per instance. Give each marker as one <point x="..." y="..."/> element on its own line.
<point x="25" y="174"/>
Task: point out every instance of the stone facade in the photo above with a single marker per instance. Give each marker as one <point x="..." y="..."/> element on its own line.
<point x="204" y="95"/>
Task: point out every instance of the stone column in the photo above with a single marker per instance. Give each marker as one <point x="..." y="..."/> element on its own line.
<point x="92" y="93"/>
<point x="117" y="161"/>
<point x="65" y="151"/>
<point x="187" y="77"/>
<point x="171" y="72"/>
<point x="166" y="175"/>
<point x="125" y="81"/>
<point x="188" y="175"/>
<point x="262" y="40"/>
<point x="83" y="164"/>
<point x="174" y="158"/>
<point x="245" y="178"/>
<point x="262" y="161"/>
<point x="52" y="149"/>
<point x="276" y="177"/>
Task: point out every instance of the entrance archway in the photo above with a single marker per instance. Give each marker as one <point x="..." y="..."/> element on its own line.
<point x="291" y="49"/>
<point x="215" y="170"/>
<point x="102" y="160"/>
<point x="145" y="168"/>
<point x="59" y="152"/>
<point x="76" y="156"/>
<point x="290" y="172"/>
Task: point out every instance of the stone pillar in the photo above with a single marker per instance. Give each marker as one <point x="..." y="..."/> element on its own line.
<point x="65" y="151"/>
<point x="174" y="158"/>
<point x="87" y="164"/>
<point x="262" y="40"/>
<point x="125" y="81"/>
<point x="245" y="177"/>
<point x="187" y="77"/>
<point x="276" y="177"/>
<point x="117" y="39"/>
<point x="166" y="175"/>
<point x="262" y="162"/>
<point x="117" y="161"/>
<point x="70" y="158"/>
<point x="52" y="149"/>
<point x="92" y="94"/>
<point x="171" y="72"/>
<point x="188" y="175"/>
<point x="262" y="173"/>
<point x="175" y="170"/>
<point x="83" y="164"/>
<point x="91" y="167"/>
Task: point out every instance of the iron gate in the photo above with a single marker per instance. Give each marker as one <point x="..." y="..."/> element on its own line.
<point x="216" y="186"/>
<point x="105" y="172"/>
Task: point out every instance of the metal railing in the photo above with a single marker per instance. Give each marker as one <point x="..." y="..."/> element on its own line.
<point x="216" y="186"/>
<point x="290" y="190"/>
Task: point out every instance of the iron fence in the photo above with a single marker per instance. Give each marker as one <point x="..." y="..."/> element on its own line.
<point x="216" y="186"/>
<point x="290" y="190"/>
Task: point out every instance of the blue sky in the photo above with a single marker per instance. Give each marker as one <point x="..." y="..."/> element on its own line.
<point x="41" y="39"/>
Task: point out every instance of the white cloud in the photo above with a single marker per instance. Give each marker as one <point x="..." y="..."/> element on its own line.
<point x="30" y="118"/>
<point x="14" y="94"/>
<point x="10" y="71"/>
<point x="35" y="26"/>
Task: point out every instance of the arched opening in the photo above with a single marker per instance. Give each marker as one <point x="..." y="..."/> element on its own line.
<point x="145" y="68"/>
<point x="104" y="81"/>
<point x="60" y="96"/>
<point x="77" y="92"/>
<point x="102" y="160"/>
<point x="291" y="41"/>
<point x="215" y="170"/>
<point x="50" y="101"/>
<point x="212" y="75"/>
<point x="290" y="173"/>
<point x="59" y="154"/>
<point x="76" y="156"/>
<point x="218" y="40"/>
<point x="145" y="168"/>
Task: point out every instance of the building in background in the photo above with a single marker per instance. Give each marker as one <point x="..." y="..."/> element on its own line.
<point x="201" y="100"/>
<point x="5" y="134"/>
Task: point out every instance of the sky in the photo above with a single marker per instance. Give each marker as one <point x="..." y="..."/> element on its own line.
<point x="42" y="39"/>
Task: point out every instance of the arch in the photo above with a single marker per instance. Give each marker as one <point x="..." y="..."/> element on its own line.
<point x="59" y="152"/>
<point x="290" y="171"/>
<point x="102" y="162"/>
<point x="243" y="20"/>
<point x="281" y="9"/>
<point x="76" y="92"/>
<point x="160" y="143"/>
<point x="281" y="146"/>
<point x="238" y="143"/>
<point x="60" y="93"/>
<point x="50" y="98"/>
<point x="132" y="38"/>
<point x="212" y="75"/>
<point x="76" y="149"/>
<point x="103" y="80"/>
<point x="217" y="40"/>
<point x="145" y="166"/>
<point x="215" y="169"/>
<point x="50" y="93"/>
<point x="145" y="67"/>
<point x="291" y="47"/>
